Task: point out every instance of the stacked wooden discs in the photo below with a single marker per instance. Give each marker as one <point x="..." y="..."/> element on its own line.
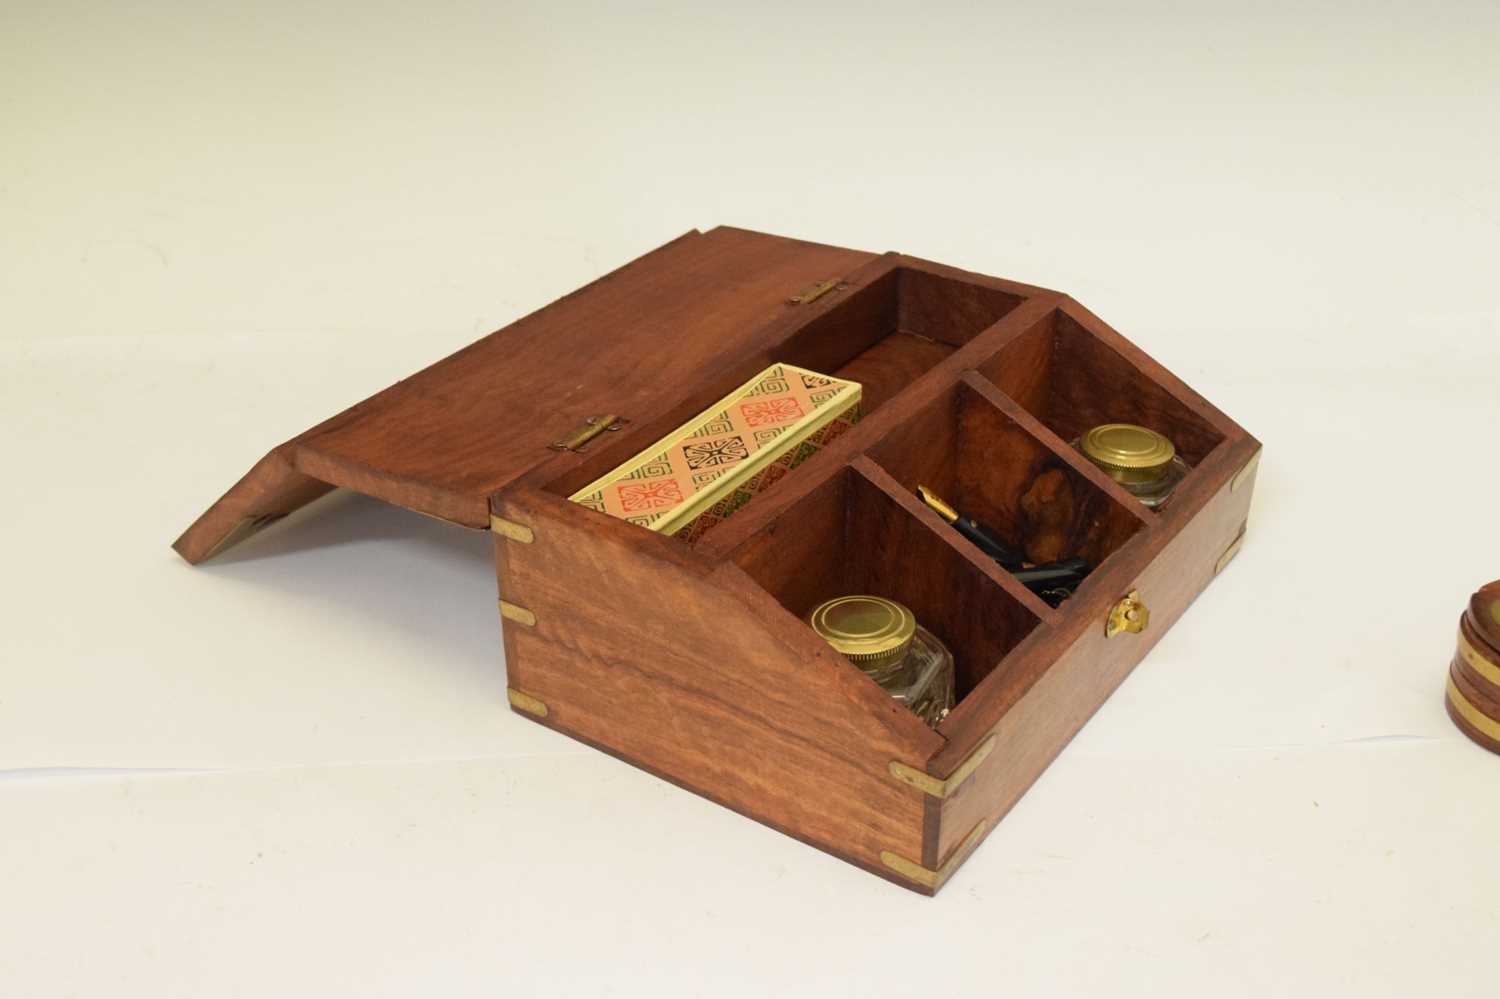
<point x="1474" y="677"/>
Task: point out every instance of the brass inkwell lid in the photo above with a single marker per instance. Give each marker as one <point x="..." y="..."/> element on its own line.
<point x="1131" y="454"/>
<point x="871" y="631"/>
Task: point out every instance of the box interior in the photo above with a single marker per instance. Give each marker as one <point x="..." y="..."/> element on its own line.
<point x="884" y="335"/>
<point x="857" y="533"/>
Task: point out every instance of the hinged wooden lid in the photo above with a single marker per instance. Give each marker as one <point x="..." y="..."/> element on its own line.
<point x="628" y="345"/>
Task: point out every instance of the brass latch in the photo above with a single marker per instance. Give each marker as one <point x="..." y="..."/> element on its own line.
<point x="816" y="291"/>
<point x="591" y="428"/>
<point x="1130" y="614"/>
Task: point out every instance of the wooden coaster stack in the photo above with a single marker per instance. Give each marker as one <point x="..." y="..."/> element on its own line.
<point x="1474" y="677"/>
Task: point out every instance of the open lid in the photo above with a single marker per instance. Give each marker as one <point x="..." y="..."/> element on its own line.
<point x="442" y="441"/>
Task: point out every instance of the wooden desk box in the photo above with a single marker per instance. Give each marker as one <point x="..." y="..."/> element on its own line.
<point x="692" y="661"/>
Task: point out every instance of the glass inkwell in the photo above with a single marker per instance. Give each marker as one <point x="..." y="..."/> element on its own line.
<point x="1145" y="462"/>
<point x="885" y="641"/>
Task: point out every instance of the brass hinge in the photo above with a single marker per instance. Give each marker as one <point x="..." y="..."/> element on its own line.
<point x="1230" y="552"/>
<point x="516" y="613"/>
<point x="523" y="701"/>
<point x="913" y="871"/>
<point x="591" y="428"/>
<point x="1244" y="473"/>
<point x="941" y="788"/>
<point x="510" y="529"/>
<point x="814" y="292"/>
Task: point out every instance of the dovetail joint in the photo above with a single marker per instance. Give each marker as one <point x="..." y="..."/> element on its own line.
<point x="927" y="877"/>
<point x="942" y="787"/>
<point x="510" y="529"/>
<point x="517" y="613"/>
<point x="523" y="701"/>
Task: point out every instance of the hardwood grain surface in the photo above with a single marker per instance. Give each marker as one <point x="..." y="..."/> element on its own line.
<point x="690" y="668"/>
<point x="693" y="661"/>
<point x="441" y="441"/>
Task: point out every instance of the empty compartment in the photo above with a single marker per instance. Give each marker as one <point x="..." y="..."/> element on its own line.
<point x="849" y="537"/>
<point x="1072" y="381"/>
<point x="888" y="333"/>
<point x="972" y="455"/>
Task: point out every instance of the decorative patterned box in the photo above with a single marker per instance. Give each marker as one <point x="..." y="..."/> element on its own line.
<point x="714" y="464"/>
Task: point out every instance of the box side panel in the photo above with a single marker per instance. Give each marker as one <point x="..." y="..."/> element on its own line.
<point x="676" y="665"/>
<point x="1037" y="727"/>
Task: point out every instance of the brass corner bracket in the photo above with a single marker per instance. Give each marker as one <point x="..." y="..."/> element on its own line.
<point x="512" y="530"/>
<point x="942" y="787"/>
<point x="1230" y="552"/>
<point x="523" y="701"/>
<point x="927" y="877"/>
<point x="517" y="613"/>
<point x="1244" y="473"/>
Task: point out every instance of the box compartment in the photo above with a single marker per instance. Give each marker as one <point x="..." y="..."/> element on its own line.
<point x="967" y="450"/>
<point x="1072" y="380"/>
<point x="889" y="332"/>
<point x="849" y="535"/>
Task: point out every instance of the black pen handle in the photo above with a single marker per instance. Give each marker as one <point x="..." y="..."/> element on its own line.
<point x="985" y="540"/>
<point x="1065" y="572"/>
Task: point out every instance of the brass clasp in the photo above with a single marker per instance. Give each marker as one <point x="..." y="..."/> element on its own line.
<point x="1130" y="614"/>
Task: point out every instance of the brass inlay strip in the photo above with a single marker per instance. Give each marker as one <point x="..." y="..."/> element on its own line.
<point x="1230" y="552"/>
<point x="1477" y="661"/>
<point x="525" y="702"/>
<point x="814" y="292"/>
<point x="518" y="614"/>
<point x="934" y="879"/>
<point x="1244" y="473"/>
<point x="940" y="788"/>
<point x="510" y="529"/>
<point x="1486" y="725"/>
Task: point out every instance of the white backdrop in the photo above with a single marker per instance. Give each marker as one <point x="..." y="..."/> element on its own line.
<point x="292" y="772"/>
